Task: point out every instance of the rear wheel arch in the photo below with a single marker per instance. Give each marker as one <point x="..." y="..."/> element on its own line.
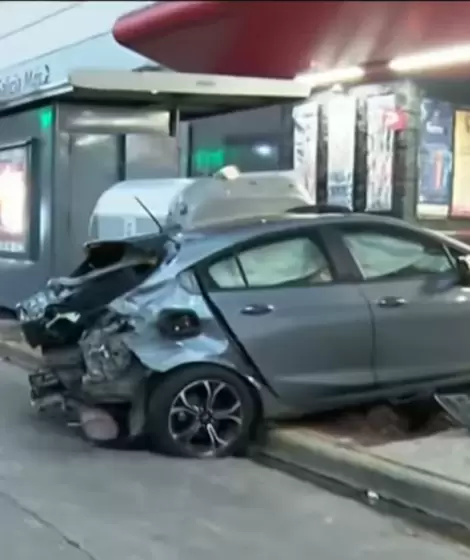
<point x="155" y="378"/>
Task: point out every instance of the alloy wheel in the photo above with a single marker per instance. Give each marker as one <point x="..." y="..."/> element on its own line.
<point x="206" y="417"/>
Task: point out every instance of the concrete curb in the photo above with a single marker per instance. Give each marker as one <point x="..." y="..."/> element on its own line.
<point x="314" y="454"/>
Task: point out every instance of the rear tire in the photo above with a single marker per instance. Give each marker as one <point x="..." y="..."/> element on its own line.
<point x="201" y="412"/>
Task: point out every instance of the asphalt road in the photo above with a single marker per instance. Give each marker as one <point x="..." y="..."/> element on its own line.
<point x="62" y="499"/>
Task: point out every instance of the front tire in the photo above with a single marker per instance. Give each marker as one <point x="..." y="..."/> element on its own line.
<point x="201" y="412"/>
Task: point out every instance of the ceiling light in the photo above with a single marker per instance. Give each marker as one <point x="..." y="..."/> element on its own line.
<point x="337" y="88"/>
<point x="335" y="76"/>
<point x="263" y="150"/>
<point x="447" y="56"/>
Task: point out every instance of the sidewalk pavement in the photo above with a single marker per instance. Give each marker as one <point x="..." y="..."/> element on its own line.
<point x="429" y="474"/>
<point x="13" y="347"/>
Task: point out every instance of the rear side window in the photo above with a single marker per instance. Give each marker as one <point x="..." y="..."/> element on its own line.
<point x="382" y="255"/>
<point x="287" y="263"/>
<point x="227" y="274"/>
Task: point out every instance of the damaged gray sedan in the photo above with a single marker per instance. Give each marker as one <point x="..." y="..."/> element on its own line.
<point x="163" y="359"/>
<point x="192" y="338"/>
<point x="133" y="345"/>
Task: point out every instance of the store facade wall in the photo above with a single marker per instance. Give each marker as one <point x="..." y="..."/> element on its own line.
<point x="93" y="154"/>
<point x="361" y="157"/>
<point x="25" y="240"/>
<point x="406" y="154"/>
<point x="364" y="147"/>
<point x="56" y="160"/>
<point x="320" y="139"/>
<point x="253" y="140"/>
<point x="398" y="148"/>
<point x="443" y="181"/>
<point x="59" y="163"/>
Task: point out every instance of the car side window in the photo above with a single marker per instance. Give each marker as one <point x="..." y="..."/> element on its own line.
<point x="287" y="263"/>
<point x="384" y="255"/>
<point x="227" y="274"/>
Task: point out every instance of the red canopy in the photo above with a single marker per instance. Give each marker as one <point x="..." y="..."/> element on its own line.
<point x="280" y="39"/>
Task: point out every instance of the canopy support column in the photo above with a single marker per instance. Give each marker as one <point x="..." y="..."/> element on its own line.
<point x="174" y="123"/>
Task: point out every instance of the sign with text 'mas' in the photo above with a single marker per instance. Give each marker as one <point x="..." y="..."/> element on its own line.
<point x="24" y="82"/>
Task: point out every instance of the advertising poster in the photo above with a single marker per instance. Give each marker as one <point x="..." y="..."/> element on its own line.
<point x="14" y="194"/>
<point x="341" y="146"/>
<point x="435" y="159"/>
<point x="305" y="118"/>
<point x="380" y="150"/>
<point x="461" y="183"/>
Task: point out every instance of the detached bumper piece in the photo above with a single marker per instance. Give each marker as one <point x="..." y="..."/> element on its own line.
<point x="47" y="392"/>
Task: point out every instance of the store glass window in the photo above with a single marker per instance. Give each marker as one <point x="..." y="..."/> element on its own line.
<point x="254" y="141"/>
<point x="151" y="156"/>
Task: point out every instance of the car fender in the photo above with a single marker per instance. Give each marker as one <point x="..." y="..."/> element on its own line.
<point x="160" y="356"/>
<point x="159" y="352"/>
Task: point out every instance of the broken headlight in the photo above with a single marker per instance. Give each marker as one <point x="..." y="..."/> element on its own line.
<point x="34" y="307"/>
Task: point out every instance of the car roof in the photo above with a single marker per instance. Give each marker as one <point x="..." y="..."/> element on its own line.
<point x="196" y="245"/>
<point x="219" y="236"/>
<point x="250" y="227"/>
<point x="264" y="223"/>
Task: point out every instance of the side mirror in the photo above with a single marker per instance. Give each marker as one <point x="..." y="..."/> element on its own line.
<point x="463" y="269"/>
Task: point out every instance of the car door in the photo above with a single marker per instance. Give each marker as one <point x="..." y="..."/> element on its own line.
<point x="309" y="334"/>
<point x="421" y="313"/>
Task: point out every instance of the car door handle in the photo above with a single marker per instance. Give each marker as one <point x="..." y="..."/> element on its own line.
<point x="391" y="302"/>
<point x="257" y="309"/>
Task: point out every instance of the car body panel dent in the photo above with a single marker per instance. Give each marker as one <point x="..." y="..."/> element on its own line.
<point x="161" y="354"/>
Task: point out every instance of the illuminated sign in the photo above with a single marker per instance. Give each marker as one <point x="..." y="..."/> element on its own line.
<point x="207" y="160"/>
<point x="46" y="118"/>
<point x="248" y="156"/>
<point x="14" y="199"/>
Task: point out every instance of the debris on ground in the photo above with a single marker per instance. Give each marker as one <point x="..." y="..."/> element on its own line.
<point x="382" y="423"/>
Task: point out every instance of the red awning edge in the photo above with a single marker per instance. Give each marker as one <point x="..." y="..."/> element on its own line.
<point x="282" y="38"/>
